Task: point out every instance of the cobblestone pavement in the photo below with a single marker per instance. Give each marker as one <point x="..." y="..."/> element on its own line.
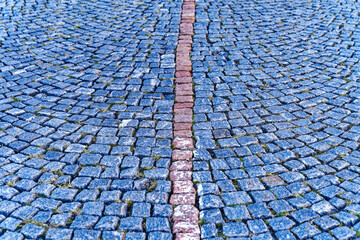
<point x="277" y="119"/>
<point x="85" y="124"/>
<point x="86" y="118"/>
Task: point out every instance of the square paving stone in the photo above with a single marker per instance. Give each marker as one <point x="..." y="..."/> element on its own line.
<point x="210" y="201"/>
<point x="304" y="215"/>
<point x="93" y="208"/>
<point x="141" y="210"/>
<point x="211" y="216"/>
<point x="157" y="224"/>
<point x="235" y="230"/>
<point x="87" y="195"/>
<point x="281" y="223"/>
<point x="135" y="236"/>
<point x="86" y="234"/>
<point x="208" y="230"/>
<point x="7" y="207"/>
<point x="324" y="236"/>
<point x="285" y="235"/>
<point x="233" y="198"/>
<point x="107" y="223"/>
<point x="326" y="223"/>
<point x="237" y="213"/>
<point x="305" y="231"/>
<point x="64" y="194"/>
<point x="257" y="226"/>
<point x="259" y="210"/>
<point x="60" y="220"/>
<point x="25" y="213"/>
<point x="32" y="231"/>
<point x="346" y="218"/>
<point x="112" y="235"/>
<point x="58" y="233"/>
<point x="84" y="221"/>
<point x="131" y="224"/>
<point x="10" y="223"/>
<point x="116" y="209"/>
<point x="12" y="235"/>
<point x="250" y="184"/>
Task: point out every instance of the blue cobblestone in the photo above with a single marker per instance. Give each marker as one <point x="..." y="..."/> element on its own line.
<point x="235" y="230"/>
<point x="305" y="231"/>
<point x="86" y="100"/>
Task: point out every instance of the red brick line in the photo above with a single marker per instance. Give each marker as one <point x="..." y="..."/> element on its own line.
<point x="186" y="215"/>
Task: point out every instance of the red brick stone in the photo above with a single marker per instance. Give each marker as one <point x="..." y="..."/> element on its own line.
<point x="189" y="13"/>
<point x="183" y="187"/>
<point x="186" y="31"/>
<point x="184" y="46"/>
<point x="186" y="28"/>
<point x="188" y="16"/>
<point x="190" y="20"/>
<point x="182" y="199"/>
<point x="184" y="99"/>
<point x="184" y="60"/>
<point x="183" y="68"/>
<point x="184" y="87"/>
<point x="187" y="44"/>
<point x="179" y="155"/>
<point x="188" y="9"/>
<point x="183" y="105"/>
<point x="186" y="213"/>
<point x="183" y="55"/>
<point x="183" y="143"/>
<point x="183" y="74"/>
<point x="180" y="175"/>
<point x="186" y="25"/>
<point x="187" y="111"/>
<point x="183" y="118"/>
<point x="183" y="80"/>
<point x="183" y="133"/>
<point x="186" y="227"/>
<point x="183" y="52"/>
<point x="181" y="166"/>
<point x="187" y="236"/>
<point x="188" y="5"/>
<point x="182" y="126"/>
<point x="185" y="39"/>
<point x="184" y="93"/>
<point x="188" y="2"/>
<point x="184" y="49"/>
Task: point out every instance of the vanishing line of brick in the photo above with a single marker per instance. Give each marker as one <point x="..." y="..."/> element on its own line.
<point x="186" y="215"/>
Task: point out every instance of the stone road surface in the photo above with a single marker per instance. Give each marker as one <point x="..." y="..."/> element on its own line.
<point x="277" y="118"/>
<point x="86" y="123"/>
<point x="86" y="118"/>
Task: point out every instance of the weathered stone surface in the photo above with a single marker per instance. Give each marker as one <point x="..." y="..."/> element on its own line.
<point x="86" y="118"/>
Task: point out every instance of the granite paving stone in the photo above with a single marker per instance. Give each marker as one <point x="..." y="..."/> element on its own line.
<point x="86" y="98"/>
<point x="267" y="133"/>
<point x="280" y="78"/>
